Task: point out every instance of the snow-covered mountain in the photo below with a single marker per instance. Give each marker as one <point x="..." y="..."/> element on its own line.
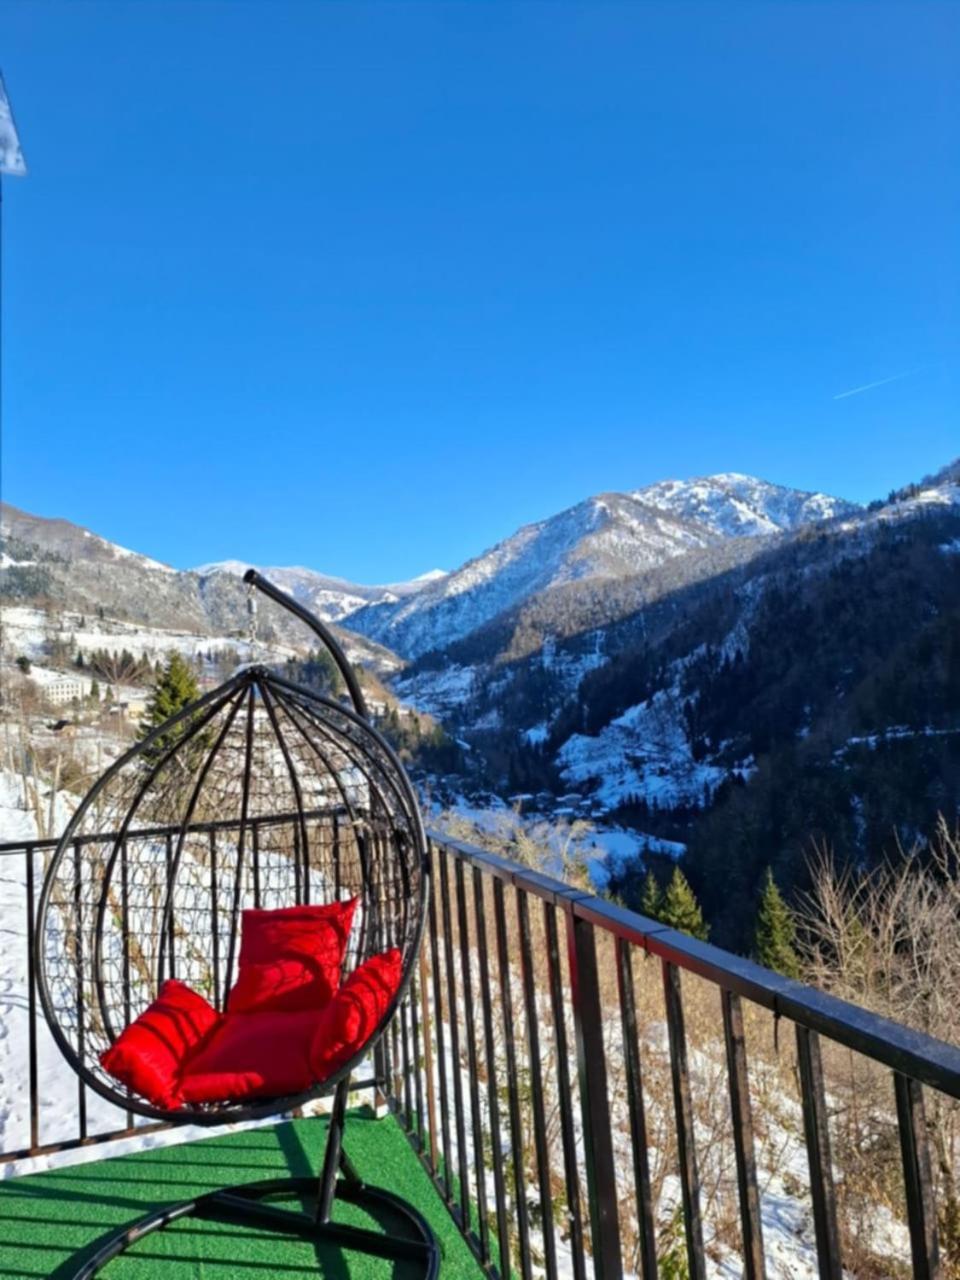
<point x="332" y="598"/>
<point x="72" y="541"/>
<point x="613" y="535"/>
<point x="57" y="570"/>
<point x="735" y="505"/>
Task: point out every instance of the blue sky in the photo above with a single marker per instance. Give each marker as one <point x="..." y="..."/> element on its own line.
<point x="365" y="287"/>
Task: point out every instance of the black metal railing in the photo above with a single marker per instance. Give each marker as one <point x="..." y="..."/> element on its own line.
<point x="524" y="1068"/>
<point x="522" y="1076"/>
<point x="21" y="868"/>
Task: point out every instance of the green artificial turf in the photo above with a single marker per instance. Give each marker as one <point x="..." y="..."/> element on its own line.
<point x="50" y="1221"/>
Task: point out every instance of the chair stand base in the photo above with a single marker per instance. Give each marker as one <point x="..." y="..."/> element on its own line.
<point x="248" y="1205"/>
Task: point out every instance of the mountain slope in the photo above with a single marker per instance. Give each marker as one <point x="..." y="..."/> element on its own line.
<point x="60" y="567"/>
<point x="332" y="598"/>
<point x="609" y="537"/>
<point x="744" y="698"/>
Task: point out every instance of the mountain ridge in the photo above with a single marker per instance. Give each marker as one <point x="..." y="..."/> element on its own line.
<point x="608" y="536"/>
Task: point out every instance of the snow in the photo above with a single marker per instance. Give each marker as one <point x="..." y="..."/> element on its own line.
<point x="736" y="505"/>
<point x="643" y="754"/>
<point x="894" y="733"/>
<point x="438" y="692"/>
<point x="432" y="575"/>
<point x="27" y="631"/>
<point x="332" y="598"/>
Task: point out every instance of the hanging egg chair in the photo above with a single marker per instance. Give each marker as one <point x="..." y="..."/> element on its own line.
<point x="228" y="924"/>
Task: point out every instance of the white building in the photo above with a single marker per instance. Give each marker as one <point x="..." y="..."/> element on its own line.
<point x="64" y="690"/>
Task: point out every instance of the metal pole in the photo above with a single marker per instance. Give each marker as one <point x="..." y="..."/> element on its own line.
<point x="254" y="579"/>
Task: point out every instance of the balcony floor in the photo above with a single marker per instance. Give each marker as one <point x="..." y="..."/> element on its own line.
<point x="48" y="1219"/>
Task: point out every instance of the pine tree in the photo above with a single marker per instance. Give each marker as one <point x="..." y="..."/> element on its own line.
<point x="94" y="690"/>
<point x="651" y="901"/>
<point x="175" y="688"/>
<point x="680" y="909"/>
<point x="776" y="933"/>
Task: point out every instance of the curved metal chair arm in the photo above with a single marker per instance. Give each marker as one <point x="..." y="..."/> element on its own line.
<point x="254" y="579"/>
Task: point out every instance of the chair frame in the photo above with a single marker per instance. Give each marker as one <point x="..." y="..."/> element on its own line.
<point x="337" y="1178"/>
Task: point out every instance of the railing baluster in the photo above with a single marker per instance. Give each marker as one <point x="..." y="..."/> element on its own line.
<point x="683" y="1109"/>
<point x="81" y="978"/>
<point x="405" y="1059"/>
<point x="297" y="877"/>
<point x="337" y="873"/>
<point x="125" y="936"/>
<point x="818" y="1154"/>
<point x="493" y="1101"/>
<point x="513" y="1095"/>
<point x="567" y="1134"/>
<point x="255" y="848"/>
<point x="428" y="1063"/>
<point x="390" y="1043"/>
<point x="536" y="1086"/>
<point x="742" y="1116"/>
<point x="32" y="1005"/>
<point x="215" y="920"/>
<point x="417" y="1071"/>
<point x="594" y="1102"/>
<point x="638" y="1119"/>
<point x="438" y="1024"/>
<point x="171" y="933"/>
<point x="918" y="1178"/>
<point x="453" y="1011"/>
<point x="466" y="984"/>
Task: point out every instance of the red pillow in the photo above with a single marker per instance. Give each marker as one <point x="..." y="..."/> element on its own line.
<point x="252" y="1055"/>
<point x="354" y="1013"/>
<point x="148" y="1055"/>
<point x="290" y="958"/>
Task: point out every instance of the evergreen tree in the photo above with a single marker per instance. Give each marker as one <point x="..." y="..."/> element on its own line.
<point x="175" y="688"/>
<point x="651" y="901"/>
<point x="680" y="909"/>
<point x="776" y="933"/>
<point x="94" y="690"/>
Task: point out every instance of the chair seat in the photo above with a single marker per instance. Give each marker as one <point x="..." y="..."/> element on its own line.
<point x="252" y="1055"/>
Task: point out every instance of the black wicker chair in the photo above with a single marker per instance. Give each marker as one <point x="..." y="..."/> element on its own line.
<point x="262" y="793"/>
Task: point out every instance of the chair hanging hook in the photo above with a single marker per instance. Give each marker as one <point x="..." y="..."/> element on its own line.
<point x="251" y="618"/>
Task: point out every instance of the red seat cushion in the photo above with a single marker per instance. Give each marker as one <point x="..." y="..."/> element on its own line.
<point x="252" y="1055"/>
<point x="148" y="1055"/>
<point x="354" y="1013"/>
<point x="290" y="958"/>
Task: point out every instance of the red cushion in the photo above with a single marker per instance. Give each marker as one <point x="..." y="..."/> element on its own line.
<point x="354" y="1013"/>
<point x="251" y="1055"/>
<point x="148" y="1055"/>
<point x="290" y="958"/>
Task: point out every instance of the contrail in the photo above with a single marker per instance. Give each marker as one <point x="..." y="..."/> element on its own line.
<point x="882" y="382"/>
